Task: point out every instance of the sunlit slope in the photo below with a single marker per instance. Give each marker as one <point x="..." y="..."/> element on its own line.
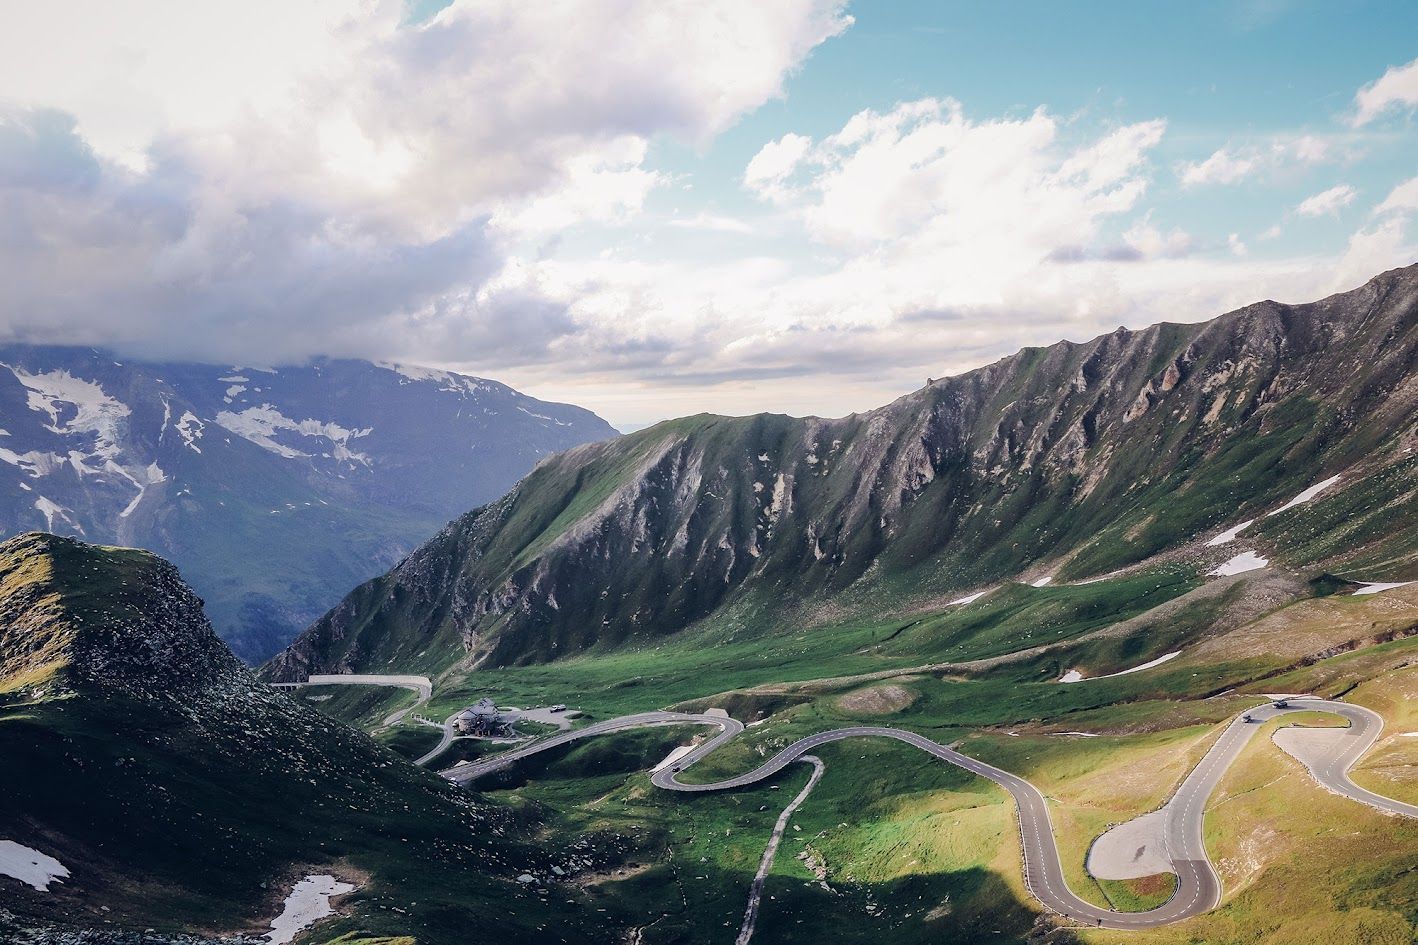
<point x="1067" y="461"/>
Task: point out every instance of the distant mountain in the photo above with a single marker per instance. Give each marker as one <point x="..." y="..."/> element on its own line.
<point x="275" y="491"/>
<point x="169" y="790"/>
<point x="1063" y="462"/>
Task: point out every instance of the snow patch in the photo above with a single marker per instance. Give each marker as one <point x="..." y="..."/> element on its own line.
<point x="1305" y="496"/>
<point x="30" y="866"/>
<point x="95" y="411"/>
<point x="1043" y="581"/>
<point x="1243" y="562"/>
<point x="34" y="463"/>
<point x="1379" y="588"/>
<point x="542" y="416"/>
<point x="969" y="598"/>
<point x="1230" y="533"/>
<point x="154" y="475"/>
<point x="447" y="380"/>
<point x="261" y="424"/>
<point x="308" y="903"/>
<point x="52" y="510"/>
<point x="191" y="429"/>
<point x="1073" y="675"/>
<point x="233" y="391"/>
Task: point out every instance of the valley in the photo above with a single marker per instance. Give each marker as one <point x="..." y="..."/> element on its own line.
<point x="1004" y="660"/>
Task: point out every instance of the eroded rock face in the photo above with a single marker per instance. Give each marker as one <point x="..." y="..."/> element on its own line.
<point x="965" y="481"/>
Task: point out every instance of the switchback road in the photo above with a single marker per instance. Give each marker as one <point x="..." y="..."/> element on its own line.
<point x="1198" y="885"/>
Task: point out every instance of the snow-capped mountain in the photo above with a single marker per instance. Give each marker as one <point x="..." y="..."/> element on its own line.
<point x="274" y="491"/>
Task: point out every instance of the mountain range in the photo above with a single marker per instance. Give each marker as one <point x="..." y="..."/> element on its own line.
<point x="1082" y="566"/>
<point x="1061" y="463"/>
<point x="274" y="490"/>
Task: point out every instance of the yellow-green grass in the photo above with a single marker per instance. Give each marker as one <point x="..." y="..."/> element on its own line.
<point x="1092" y="783"/>
<point x="1298" y="864"/>
<point x="1140" y="894"/>
<point x="1391" y="768"/>
<point x="1313" y="719"/>
<point x="933" y="850"/>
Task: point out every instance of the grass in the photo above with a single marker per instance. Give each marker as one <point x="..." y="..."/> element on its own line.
<point x="896" y="835"/>
<point x="1140" y="894"/>
<point x="701" y="663"/>
<point x="411" y="739"/>
<point x="1300" y="864"/>
<point x="363" y="707"/>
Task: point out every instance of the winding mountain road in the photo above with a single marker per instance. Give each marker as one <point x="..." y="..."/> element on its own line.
<point x="1198" y="886"/>
<point x="421" y="686"/>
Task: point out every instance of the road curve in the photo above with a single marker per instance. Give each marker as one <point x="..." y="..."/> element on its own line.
<point x="421" y="686"/>
<point x="1198" y="885"/>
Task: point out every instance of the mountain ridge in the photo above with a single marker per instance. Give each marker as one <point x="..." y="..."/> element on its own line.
<point x="1077" y="458"/>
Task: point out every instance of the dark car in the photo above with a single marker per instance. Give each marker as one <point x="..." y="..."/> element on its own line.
<point x="1282" y="704"/>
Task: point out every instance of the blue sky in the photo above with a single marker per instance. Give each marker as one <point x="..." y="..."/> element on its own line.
<point x="657" y="207"/>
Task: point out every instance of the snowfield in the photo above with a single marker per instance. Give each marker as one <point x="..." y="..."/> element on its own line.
<point x="1073" y="675"/>
<point x="1243" y="562"/>
<point x="1305" y="496"/>
<point x="308" y="903"/>
<point x="261" y="424"/>
<point x="30" y="866"/>
<point x="1230" y="533"/>
<point x="1380" y="588"/>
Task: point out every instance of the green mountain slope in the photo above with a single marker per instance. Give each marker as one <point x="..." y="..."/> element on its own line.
<point x="180" y="794"/>
<point x="1067" y="462"/>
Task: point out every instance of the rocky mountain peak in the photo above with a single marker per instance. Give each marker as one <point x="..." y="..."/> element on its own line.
<point x="75" y="616"/>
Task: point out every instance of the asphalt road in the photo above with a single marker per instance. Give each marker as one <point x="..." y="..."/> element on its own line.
<point x="1198" y="886"/>
<point x="421" y="686"/>
<point x="755" y="889"/>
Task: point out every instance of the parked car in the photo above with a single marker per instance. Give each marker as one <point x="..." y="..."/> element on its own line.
<point x="557" y="708"/>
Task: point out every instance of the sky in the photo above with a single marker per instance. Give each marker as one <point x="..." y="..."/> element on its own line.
<point x="660" y="207"/>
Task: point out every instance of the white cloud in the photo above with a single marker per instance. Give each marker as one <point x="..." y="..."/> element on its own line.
<point x="1222" y="167"/>
<point x="1401" y="199"/>
<point x="1396" y="88"/>
<point x="363" y="175"/>
<point x="1327" y="202"/>
<point x="1236" y="245"/>
<point x="1152" y="243"/>
<point x="712" y="221"/>
<point x="1233" y="165"/>
<point x="134" y="72"/>
<point x="979" y="199"/>
<point x="768" y="171"/>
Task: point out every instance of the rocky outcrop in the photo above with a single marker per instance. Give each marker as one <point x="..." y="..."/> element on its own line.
<point x="1087" y="456"/>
